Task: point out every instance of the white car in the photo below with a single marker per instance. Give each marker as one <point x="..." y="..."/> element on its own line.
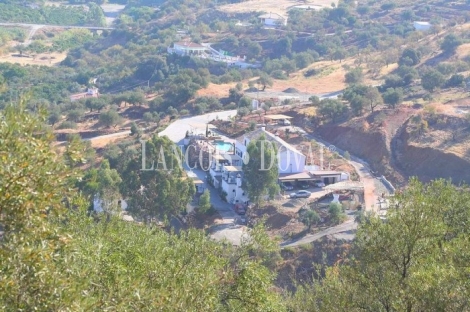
<point x="318" y="184"/>
<point x="301" y="194"/>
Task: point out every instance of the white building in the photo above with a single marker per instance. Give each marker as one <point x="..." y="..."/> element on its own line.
<point x="231" y="184"/>
<point x="289" y="159"/>
<point x="273" y="19"/>
<point x="422" y="26"/>
<point x="188" y="48"/>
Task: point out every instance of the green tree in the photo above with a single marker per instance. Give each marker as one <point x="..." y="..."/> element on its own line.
<point x="205" y="201"/>
<point x="159" y="189"/>
<point x="102" y="185"/>
<point x="450" y="43"/>
<point x="332" y="108"/>
<point x="411" y="262"/>
<point x="75" y="115"/>
<point x="261" y="171"/>
<point x="95" y="103"/>
<point x="135" y="129"/>
<point x="456" y="80"/>
<point x="54" y="117"/>
<point x="393" y="97"/>
<point x="264" y="80"/>
<point x="354" y="76"/>
<point x="373" y="97"/>
<point x="432" y="79"/>
<point x="410" y="57"/>
<point x="310" y="218"/>
<point x="315" y="100"/>
<point x="110" y="118"/>
<point x="336" y="212"/>
<point x="35" y="184"/>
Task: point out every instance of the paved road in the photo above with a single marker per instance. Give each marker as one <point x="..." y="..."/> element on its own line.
<point x="176" y="132"/>
<point x="300" y="96"/>
<point x="35" y="27"/>
<point x="362" y="169"/>
<point x="196" y="124"/>
<point x="56" y="26"/>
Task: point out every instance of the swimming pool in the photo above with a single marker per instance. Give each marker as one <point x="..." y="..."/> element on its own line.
<point x="223" y="146"/>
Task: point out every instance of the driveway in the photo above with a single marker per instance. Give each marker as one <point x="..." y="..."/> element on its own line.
<point x="227" y="229"/>
<point x="362" y="169"/>
<point x="196" y="124"/>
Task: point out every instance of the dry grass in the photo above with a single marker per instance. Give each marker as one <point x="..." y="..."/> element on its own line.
<point x="280" y="6"/>
<point x="46" y="59"/>
<point x="217" y="90"/>
<point x="102" y="142"/>
<point x="463" y="50"/>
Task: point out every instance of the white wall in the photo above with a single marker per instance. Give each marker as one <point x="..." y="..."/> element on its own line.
<point x="231" y="195"/>
<point x="421" y="27"/>
<point x="286" y="158"/>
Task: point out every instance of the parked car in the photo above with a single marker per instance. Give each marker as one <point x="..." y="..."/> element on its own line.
<point x="240" y="209"/>
<point x="302" y="185"/>
<point x="318" y="183"/>
<point x="284" y="122"/>
<point x="345" y="197"/>
<point x="300" y="194"/>
<point x="287" y="186"/>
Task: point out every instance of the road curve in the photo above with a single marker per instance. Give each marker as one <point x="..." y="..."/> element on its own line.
<point x="55" y="26"/>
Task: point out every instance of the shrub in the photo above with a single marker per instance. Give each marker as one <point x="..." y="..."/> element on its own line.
<point x="67" y="125"/>
<point x="311" y="72"/>
<point x="336" y="212"/>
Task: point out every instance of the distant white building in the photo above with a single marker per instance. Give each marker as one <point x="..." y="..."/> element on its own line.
<point x="188" y="48"/>
<point x="91" y="92"/>
<point x="273" y="19"/>
<point x="422" y="26"/>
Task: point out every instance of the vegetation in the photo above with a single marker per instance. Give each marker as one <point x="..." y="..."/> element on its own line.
<point x="90" y="260"/>
<point x="310" y="218"/>
<point x="11" y="33"/>
<point x="412" y="262"/>
<point x="261" y="172"/>
<point x="205" y="202"/>
<point x="11" y="11"/>
<point x="59" y="254"/>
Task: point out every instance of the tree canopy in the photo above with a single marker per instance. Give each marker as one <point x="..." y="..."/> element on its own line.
<point x="261" y="170"/>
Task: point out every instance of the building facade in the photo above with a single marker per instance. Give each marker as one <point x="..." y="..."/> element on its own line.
<point x="289" y="159"/>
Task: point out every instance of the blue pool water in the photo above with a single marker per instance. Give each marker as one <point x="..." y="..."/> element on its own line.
<point x="223" y="146"/>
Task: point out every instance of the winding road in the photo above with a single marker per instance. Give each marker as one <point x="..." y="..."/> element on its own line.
<point x="35" y="27"/>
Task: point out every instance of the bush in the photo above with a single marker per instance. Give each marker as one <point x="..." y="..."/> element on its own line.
<point x="279" y="74"/>
<point x="311" y="72"/>
<point x="67" y="125"/>
<point x="336" y="212"/>
<point x="110" y="118"/>
<point x="455" y="81"/>
<point x="354" y="76"/>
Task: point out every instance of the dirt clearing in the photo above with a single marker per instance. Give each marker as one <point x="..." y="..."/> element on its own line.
<point x="45" y="59"/>
<point x="280" y="7"/>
